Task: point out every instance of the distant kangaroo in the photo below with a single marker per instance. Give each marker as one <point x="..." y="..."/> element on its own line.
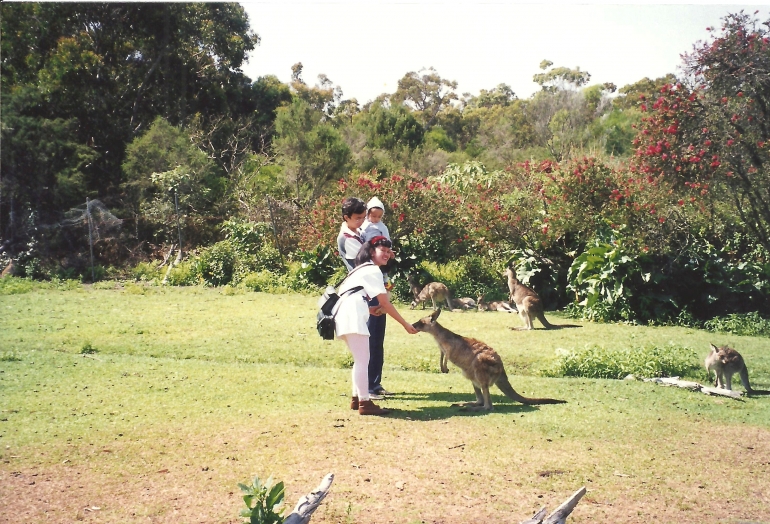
<point x="725" y="362"/>
<point x="463" y="303"/>
<point x="479" y="363"/>
<point x="528" y="302"/>
<point x="495" y="305"/>
<point x="435" y="291"/>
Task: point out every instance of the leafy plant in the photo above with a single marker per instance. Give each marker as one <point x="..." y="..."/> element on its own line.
<point x="317" y="265"/>
<point x="748" y="324"/>
<point x="599" y="278"/>
<point x="88" y="349"/>
<point x="263" y="501"/>
<point x="650" y="361"/>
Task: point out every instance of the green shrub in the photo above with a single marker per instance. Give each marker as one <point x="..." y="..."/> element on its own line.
<point x="216" y="263"/>
<point x="746" y="324"/>
<point x="247" y="237"/>
<point x="316" y="266"/>
<point x="651" y="361"/>
<point x="148" y="271"/>
<point x="16" y="285"/>
<point x="264" y="281"/>
<point x="467" y="276"/>
<point x="184" y="274"/>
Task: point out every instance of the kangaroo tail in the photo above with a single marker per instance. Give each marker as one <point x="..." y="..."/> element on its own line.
<point x="745" y="379"/>
<point x="541" y="318"/>
<point x="506" y="388"/>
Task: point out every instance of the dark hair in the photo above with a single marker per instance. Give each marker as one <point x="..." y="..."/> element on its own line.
<point x="367" y="250"/>
<point x="353" y="206"/>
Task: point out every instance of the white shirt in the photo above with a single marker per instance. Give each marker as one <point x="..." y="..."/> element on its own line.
<point x="352" y="310"/>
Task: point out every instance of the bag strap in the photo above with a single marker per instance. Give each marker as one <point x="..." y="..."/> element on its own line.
<point x="353" y="271"/>
<point x="349" y="291"/>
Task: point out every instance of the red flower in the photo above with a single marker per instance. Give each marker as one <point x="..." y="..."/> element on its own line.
<point x="681" y="202"/>
<point x="740" y="93"/>
<point x="662" y="220"/>
<point x="730" y="142"/>
<point x="401" y="217"/>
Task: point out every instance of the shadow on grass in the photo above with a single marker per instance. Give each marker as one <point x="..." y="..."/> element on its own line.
<point x="500" y="404"/>
<point x="553" y="327"/>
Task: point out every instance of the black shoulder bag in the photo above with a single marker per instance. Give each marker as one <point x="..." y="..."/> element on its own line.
<point x="325" y="322"/>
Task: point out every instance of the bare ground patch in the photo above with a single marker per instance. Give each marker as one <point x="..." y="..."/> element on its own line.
<point x="399" y="471"/>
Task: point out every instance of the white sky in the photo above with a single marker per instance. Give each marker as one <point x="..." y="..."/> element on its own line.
<point x="366" y="46"/>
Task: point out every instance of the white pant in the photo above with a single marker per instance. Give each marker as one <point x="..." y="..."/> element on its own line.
<point x="359" y="347"/>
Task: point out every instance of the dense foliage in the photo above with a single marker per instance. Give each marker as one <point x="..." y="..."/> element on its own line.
<point x="648" y="203"/>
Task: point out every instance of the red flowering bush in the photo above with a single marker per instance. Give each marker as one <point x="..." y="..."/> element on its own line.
<point x="426" y="219"/>
<point x="709" y="134"/>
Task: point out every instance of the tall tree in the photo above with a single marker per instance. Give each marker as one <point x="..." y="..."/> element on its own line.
<point x="425" y="92"/>
<point x="710" y="133"/>
<point x="109" y="69"/>
<point x="311" y="151"/>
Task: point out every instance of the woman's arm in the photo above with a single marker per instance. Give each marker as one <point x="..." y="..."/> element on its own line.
<point x="390" y="309"/>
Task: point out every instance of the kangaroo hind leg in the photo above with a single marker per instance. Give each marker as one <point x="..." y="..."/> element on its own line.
<point x="473" y="405"/>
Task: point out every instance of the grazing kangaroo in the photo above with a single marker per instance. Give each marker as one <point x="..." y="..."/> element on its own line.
<point x="528" y="302"/>
<point x="435" y="291"/>
<point x="479" y="363"/>
<point x="495" y="305"/>
<point x="725" y="362"/>
<point x="463" y="303"/>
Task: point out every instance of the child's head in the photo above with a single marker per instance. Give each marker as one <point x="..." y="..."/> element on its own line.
<point x="353" y="212"/>
<point x="375" y="209"/>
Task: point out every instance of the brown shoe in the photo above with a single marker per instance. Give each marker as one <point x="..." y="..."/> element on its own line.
<point x="354" y="403"/>
<point x="367" y="407"/>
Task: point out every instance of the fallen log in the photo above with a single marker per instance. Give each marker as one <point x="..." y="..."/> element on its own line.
<point x="560" y="514"/>
<point x="310" y="502"/>
<point x="695" y="386"/>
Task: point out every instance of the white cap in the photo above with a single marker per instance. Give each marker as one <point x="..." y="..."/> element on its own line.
<point x="374" y="202"/>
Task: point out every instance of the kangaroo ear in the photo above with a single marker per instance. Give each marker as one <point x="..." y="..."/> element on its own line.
<point x="435" y="314"/>
<point x="713" y="347"/>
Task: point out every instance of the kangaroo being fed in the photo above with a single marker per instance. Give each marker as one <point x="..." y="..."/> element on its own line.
<point x="495" y="305"/>
<point x="528" y="302"/>
<point x="479" y="363"/>
<point x="725" y="362"/>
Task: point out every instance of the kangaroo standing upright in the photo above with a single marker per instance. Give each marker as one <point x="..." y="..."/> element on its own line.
<point x="725" y="362"/>
<point x="479" y="363"/>
<point x="528" y="302"/>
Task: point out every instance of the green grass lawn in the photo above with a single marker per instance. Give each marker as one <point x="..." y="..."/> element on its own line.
<point x="137" y="404"/>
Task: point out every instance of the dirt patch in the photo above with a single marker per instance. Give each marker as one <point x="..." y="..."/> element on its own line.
<point x="395" y="471"/>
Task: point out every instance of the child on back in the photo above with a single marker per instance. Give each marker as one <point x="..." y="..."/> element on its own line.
<point x="373" y="225"/>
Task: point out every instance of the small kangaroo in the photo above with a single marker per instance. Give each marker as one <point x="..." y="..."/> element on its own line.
<point x="495" y="305"/>
<point x="725" y="362"/>
<point x="479" y="363"/>
<point x="528" y="302"/>
<point x="463" y="303"/>
<point x="435" y="291"/>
